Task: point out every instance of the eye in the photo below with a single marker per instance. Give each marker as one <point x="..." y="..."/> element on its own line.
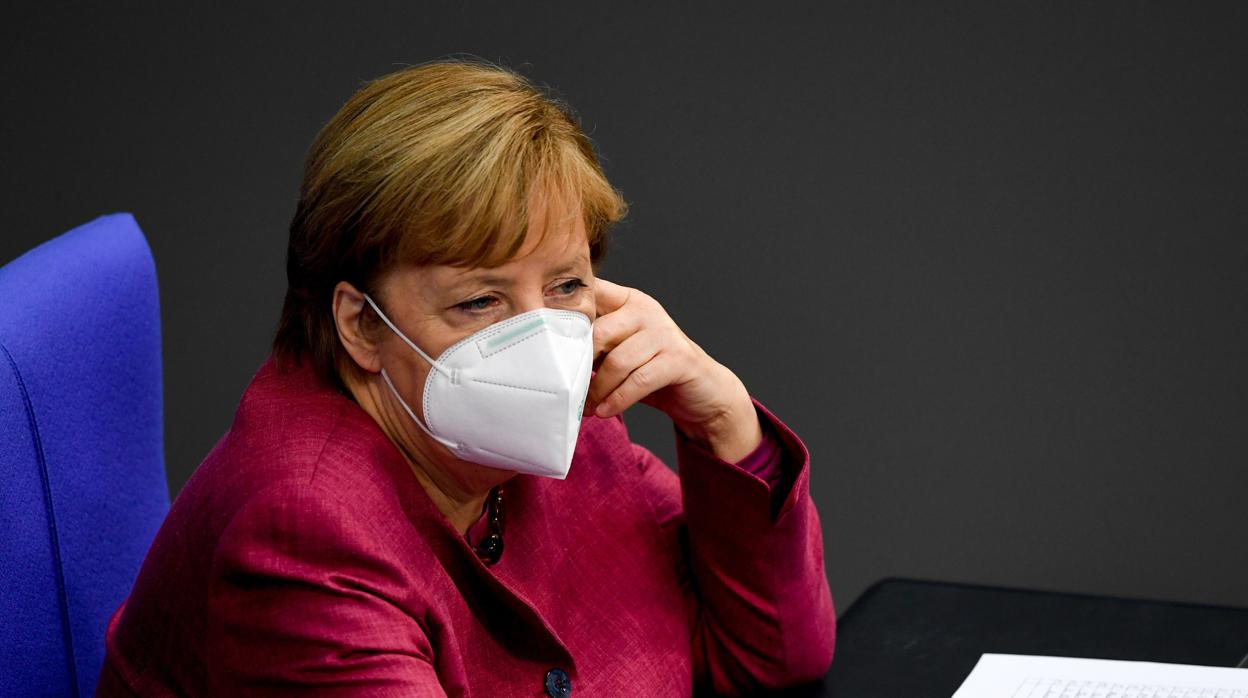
<point x="570" y="286"/>
<point x="477" y="304"/>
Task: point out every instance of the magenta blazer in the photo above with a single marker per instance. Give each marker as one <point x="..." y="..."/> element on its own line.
<point x="304" y="557"/>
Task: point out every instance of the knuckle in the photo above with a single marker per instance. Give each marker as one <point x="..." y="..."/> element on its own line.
<point x="642" y="377"/>
<point x="612" y="362"/>
<point x="674" y="338"/>
<point x="600" y="332"/>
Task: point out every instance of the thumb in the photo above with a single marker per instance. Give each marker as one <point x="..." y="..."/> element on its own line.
<point x="608" y="296"/>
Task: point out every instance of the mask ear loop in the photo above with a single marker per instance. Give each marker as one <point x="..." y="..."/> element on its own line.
<point x="390" y="384"/>
<point x="444" y="371"/>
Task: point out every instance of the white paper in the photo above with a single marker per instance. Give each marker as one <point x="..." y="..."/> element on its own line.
<point x="1020" y="676"/>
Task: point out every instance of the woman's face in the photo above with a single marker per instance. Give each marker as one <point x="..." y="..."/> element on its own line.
<point x="436" y="306"/>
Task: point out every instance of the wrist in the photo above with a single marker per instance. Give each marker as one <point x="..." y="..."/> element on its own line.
<point x="732" y="434"/>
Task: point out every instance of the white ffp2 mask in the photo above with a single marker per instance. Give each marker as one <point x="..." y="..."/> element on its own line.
<point x="511" y="395"/>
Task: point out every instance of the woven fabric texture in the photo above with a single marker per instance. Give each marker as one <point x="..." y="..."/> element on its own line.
<point x="304" y="556"/>
<point x="82" y="480"/>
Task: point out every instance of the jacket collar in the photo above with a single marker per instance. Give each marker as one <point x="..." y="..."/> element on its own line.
<point x="495" y="591"/>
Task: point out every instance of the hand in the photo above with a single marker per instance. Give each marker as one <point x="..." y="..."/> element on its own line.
<point x="642" y="356"/>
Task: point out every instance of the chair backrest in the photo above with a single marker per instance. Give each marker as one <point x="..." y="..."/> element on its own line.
<point x="82" y="478"/>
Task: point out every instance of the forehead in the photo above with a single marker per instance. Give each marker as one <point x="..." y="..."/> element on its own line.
<point x="543" y="253"/>
<point x="546" y="252"/>
<point x="555" y="233"/>
<point x="552" y="237"/>
<point x="555" y="242"/>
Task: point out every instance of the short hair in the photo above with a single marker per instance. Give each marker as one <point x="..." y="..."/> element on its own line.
<point x="433" y="164"/>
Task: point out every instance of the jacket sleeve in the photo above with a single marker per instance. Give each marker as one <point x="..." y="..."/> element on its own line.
<point x="303" y="600"/>
<point x="764" y="616"/>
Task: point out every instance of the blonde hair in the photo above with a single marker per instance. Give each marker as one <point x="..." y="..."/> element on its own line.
<point x="434" y="164"/>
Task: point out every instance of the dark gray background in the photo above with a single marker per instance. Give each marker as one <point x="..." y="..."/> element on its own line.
<point x="988" y="261"/>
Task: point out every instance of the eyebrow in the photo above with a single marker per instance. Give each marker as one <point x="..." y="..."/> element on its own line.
<point x="579" y="261"/>
<point x="472" y="278"/>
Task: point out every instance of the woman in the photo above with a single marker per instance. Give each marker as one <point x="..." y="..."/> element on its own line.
<point x="428" y="489"/>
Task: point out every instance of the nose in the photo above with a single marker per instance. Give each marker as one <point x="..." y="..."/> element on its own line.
<point x="530" y="300"/>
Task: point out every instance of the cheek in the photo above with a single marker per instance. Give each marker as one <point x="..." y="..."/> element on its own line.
<point x="409" y="373"/>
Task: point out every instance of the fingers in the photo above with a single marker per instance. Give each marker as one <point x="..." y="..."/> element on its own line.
<point x="658" y="372"/>
<point x="637" y="348"/>
<point x="622" y="311"/>
<point x="613" y="329"/>
<point x="609" y="297"/>
<point x="621" y="361"/>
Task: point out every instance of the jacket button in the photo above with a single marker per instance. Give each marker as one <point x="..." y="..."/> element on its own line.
<point x="558" y="683"/>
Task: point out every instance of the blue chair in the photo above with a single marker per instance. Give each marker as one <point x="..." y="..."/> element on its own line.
<point x="82" y="478"/>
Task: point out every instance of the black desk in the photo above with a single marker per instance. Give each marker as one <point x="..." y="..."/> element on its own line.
<point x="914" y="639"/>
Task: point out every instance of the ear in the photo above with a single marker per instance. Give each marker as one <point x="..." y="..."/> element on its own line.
<point x="349" y="308"/>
